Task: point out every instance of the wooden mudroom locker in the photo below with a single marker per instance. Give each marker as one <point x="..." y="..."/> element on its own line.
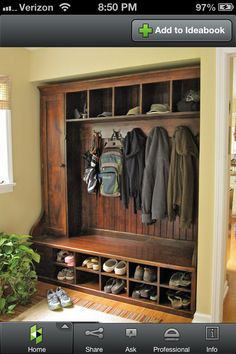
<point x="94" y="225"/>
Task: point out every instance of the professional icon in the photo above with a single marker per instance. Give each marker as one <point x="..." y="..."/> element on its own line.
<point x="228" y="6"/>
<point x="213" y="333"/>
<point x="131" y="332"/>
<point x="65" y="6"/>
<point x="145" y="30"/>
<point x="36" y="334"/>
<point x="96" y="333"/>
<point x="171" y="334"/>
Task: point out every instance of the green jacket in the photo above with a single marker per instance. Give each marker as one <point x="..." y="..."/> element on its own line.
<point x="183" y="175"/>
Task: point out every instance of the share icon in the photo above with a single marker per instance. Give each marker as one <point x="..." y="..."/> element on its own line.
<point x="96" y="333"/>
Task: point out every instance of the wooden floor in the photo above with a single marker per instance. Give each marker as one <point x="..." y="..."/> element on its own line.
<point x="43" y="287"/>
<point x="230" y="301"/>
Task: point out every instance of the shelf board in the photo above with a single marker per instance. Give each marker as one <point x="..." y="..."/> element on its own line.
<point x="182" y="310"/>
<point x="167" y="286"/>
<point x="143" y="282"/>
<point x="83" y="269"/>
<point x="125" y="118"/>
<point x="113" y="275"/>
<point x="176" y="255"/>
<point x="61" y="264"/>
<point x="91" y="285"/>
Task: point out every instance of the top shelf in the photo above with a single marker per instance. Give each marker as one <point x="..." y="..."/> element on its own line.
<point x="164" y="116"/>
<point x="135" y="101"/>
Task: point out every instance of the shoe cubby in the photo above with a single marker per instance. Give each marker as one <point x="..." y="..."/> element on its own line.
<point x="165" y="276"/>
<point x="118" y="283"/>
<point x="177" y="300"/>
<point x="155" y="93"/>
<point x="61" y="263"/>
<point x="100" y="101"/>
<point x="126" y="98"/>
<point x="112" y="273"/>
<point x="87" y="280"/>
<point x="86" y="263"/>
<point x="142" y="292"/>
<point x="59" y="268"/>
<point x="76" y="100"/>
<point x="150" y="269"/>
<point x="180" y="87"/>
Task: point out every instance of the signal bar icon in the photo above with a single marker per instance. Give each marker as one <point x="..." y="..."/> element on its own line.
<point x="8" y="9"/>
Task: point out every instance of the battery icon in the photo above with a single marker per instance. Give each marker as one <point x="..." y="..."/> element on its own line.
<point x="227" y="6"/>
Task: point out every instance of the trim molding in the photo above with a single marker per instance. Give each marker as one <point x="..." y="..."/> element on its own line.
<point x="223" y="56"/>
<point x="226" y="288"/>
<point x="202" y="318"/>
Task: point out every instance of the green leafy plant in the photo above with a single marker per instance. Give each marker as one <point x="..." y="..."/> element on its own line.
<point x="17" y="271"/>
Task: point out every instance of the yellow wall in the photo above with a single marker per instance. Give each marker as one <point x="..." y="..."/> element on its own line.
<point x="58" y="64"/>
<point x="19" y="209"/>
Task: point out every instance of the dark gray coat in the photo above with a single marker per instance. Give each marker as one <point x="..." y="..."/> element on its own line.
<point x="155" y="179"/>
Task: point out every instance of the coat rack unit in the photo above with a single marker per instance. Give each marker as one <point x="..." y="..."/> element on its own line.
<point x="86" y="224"/>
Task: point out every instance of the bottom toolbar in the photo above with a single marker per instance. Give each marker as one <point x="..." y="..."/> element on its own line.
<point x="78" y="338"/>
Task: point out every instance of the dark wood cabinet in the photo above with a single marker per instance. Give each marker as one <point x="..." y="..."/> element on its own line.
<point x="54" y="164"/>
<point x="94" y="225"/>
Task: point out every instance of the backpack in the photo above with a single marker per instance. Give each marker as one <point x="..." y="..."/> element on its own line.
<point x="111" y="167"/>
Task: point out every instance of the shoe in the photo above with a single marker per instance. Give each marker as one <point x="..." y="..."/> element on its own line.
<point x="109" y="284"/>
<point x="180" y="279"/>
<point x="64" y="298"/>
<point x="70" y="274"/>
<point x="121" y="268"/>
<point x="62" y="255"/>
<point x="62" y="274"/>
<point x="118" y="287"/>
<point x="176" y="302"/>
<point x="146" y="291"/>
<point x="136" y="292"/>
<point x="138" y="274"/>
<point x="85" y="262"/>
<point x="70" y="260"/>
<point x="53" y="301"/>
<point x="186" y="299"/>
<point x="149" y="275"/>
<point x="153" y="295"/>
<point x="110" y="265"/>
<point x="96" y="266"/>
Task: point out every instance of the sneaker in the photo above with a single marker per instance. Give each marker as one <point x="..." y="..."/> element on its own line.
<point x="53" y="301"/>
<point x="110" y="265"/>
<point x="63" y="297"/>
<point x="180" y="279"/>
<point x="62" y="274"/>
<point x="61" y="255"/>
<point x="138" y="274"/>
<point x="70" y="274"/>
<point x="149" y="275"/>
<point x="121" y="268"/>
<point x="109" y="284"/>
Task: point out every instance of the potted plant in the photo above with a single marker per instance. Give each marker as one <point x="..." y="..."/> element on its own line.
<point x="17" y="271"/>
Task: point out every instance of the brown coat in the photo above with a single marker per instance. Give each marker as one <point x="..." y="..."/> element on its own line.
<point x="181" y="193"/>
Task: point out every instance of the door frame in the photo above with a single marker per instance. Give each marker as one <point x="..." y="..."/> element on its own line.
<point x="223" y="56"/>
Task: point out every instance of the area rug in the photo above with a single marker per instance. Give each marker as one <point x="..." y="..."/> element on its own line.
<point x="83" y="311"/>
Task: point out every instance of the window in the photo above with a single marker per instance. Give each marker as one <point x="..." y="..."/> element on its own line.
<point x="6" y="174"/>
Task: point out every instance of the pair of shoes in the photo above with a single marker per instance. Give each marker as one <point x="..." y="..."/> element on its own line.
<point x="66" y="274"/>
<point x="91" y="263"/>
<point x="180" y="279"/>
<point x="114" y="286"/>
<point x="111" y="265"/>
<point x="178" y="299"/>
<point x="145" y="291"/>
<point x="58" y="299"/>
<point x="66" y="257"/>
<point x="146" y="274"/>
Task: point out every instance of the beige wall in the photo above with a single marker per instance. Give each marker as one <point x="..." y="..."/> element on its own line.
<point x="59" y="64"/>
<point x="19" y="209"/>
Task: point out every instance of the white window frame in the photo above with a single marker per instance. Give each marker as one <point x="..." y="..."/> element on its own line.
<point x="9" y="184"/>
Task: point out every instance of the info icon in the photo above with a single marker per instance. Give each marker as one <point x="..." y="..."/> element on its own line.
<point x="213" y="333"/>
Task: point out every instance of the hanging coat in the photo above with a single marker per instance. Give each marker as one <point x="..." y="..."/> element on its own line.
<point x="133" y="167"/>
<point x="155" y="180"/>
<point x="182" y="182"/>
